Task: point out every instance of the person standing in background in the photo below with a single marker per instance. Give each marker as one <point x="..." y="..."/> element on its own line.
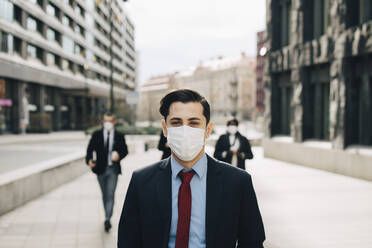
<point x="163" y="146"/>
<point x="232" y="147"/>
<point x="110" y="148"/>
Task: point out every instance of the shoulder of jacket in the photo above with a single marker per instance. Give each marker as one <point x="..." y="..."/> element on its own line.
<point x="150" y="169"/>
<point x="97" y="132"/>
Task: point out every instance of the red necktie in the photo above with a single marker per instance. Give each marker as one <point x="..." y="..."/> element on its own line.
<point x="184" y="210"/>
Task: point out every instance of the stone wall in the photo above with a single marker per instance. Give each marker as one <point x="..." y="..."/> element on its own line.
<point x="337" y="44"/>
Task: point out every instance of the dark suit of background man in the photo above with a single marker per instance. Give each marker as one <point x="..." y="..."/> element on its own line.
<point x="232" y="147"/>
<point x="190" y="200"/>
<point x="163" y="146"/>
<point x="110" y="148"/>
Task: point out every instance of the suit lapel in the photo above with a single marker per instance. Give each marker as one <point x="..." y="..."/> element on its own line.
<point x="164" y="197"/>
<point x="213" y="201"/>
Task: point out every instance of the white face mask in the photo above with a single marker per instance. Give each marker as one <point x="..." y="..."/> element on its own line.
<point x="186" y="142"/>
<point x="108" y="125"/>
<point x="232" y="129"/>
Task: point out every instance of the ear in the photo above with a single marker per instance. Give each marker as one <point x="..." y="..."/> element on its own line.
<point x="209" y="130"/>
<point x="164" y="127"/>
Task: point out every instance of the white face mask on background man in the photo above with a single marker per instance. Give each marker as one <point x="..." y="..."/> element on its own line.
<point x="108" y="126"/>
<point x="186" y="142"/>
<point x="232" y="129"/>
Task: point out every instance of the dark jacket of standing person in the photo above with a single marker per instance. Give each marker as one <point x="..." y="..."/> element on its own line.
<point x="96" y="144"/>
<point x="162" y="146"/>
<point x="223" y="150"/>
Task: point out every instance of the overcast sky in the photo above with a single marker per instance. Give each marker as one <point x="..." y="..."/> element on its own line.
<point x="173" y="35"/>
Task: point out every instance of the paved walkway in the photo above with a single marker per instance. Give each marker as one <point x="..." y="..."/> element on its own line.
<point x="301" y="207"/>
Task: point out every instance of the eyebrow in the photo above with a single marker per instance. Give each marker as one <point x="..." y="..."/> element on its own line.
<point x="194" y="119"/>
<point x="190" y="119"/>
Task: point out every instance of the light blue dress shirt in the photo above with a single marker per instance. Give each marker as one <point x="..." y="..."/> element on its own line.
<point x="198" y="186"/>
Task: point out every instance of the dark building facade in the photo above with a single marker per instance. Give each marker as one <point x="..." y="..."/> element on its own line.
<point x="55" y="63"/>
<point x="318" y="72"/>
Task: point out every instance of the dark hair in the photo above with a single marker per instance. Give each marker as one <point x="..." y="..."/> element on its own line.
<point x="109" y="114"/>
<point x="232" y="122"/>
<point x="184" y="96"/>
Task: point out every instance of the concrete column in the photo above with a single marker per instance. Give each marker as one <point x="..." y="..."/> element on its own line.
<point x="18" y="108"/>
<point x="24" y="16"/>
<point x="72" y="111"/>
<point x="57" y="118"/>
<point x="40" y="98"/>
<point x="84" y="112"/>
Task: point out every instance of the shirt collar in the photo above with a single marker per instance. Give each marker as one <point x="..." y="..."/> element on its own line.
<point x="200" y="167"/>
<point x="111" y="132"/>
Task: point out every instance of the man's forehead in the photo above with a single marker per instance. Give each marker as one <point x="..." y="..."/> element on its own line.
<point x="186" y="110"/>
<point x="108" y="118"/>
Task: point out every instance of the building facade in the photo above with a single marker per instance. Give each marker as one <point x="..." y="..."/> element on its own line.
<point x="55" y="63"/>
<point x="151" y="92"/>
<point x="228" y="83"/>
<point x="318" y="83"/>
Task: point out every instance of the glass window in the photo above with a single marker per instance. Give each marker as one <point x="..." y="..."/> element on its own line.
<point x="90" y="38"/>
<point x="90" y="4"/>
<point x="31" y="24"/>
<point x="77" y="29"/>
<point x="77" y="49"/>
<point x="6" y="42"/>
<point x="51" y="10"/>
<point x="64" y="64"/>
<point x="67" y="21"/>
<point x="89" y="20"/>
<point x="51" y="59"/>
<point x="31" y="51"/>
<point x="68" y="44"/>
<point x="6" y="10"/>
<point x="51" y="34"/>
<point x="71" y="66"/>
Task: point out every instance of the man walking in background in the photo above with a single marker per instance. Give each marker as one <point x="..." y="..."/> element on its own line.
<point x="232" y="147"/>
<point x="110" y="148"/>
<point x="190" y="200"/>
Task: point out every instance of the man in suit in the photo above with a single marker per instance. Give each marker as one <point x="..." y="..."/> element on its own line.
<point x="189" y="200"/>
<point x="110" y="148"/>
<point x="232" y="147"/>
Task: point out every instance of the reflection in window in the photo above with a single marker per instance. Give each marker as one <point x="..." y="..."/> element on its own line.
<point x="6" y="10"/>
<point x="51" y="34"/>
<point x="31" y="24"/>
<point x="51" y="59"/>
<point x="6" y="42"/>
<point x="31" y="51"/>
<point x="51" y="10"/>
<point x="68" y="44"/>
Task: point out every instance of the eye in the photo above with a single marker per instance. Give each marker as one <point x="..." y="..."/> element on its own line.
<point x="175" y="123"/>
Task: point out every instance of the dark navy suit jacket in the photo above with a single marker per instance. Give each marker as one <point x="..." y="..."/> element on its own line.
<point x="232" y="213"/>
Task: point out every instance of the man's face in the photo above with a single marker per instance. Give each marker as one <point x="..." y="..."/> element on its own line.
<point x="108" y="118"/>
<point x="189" y="114"/>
